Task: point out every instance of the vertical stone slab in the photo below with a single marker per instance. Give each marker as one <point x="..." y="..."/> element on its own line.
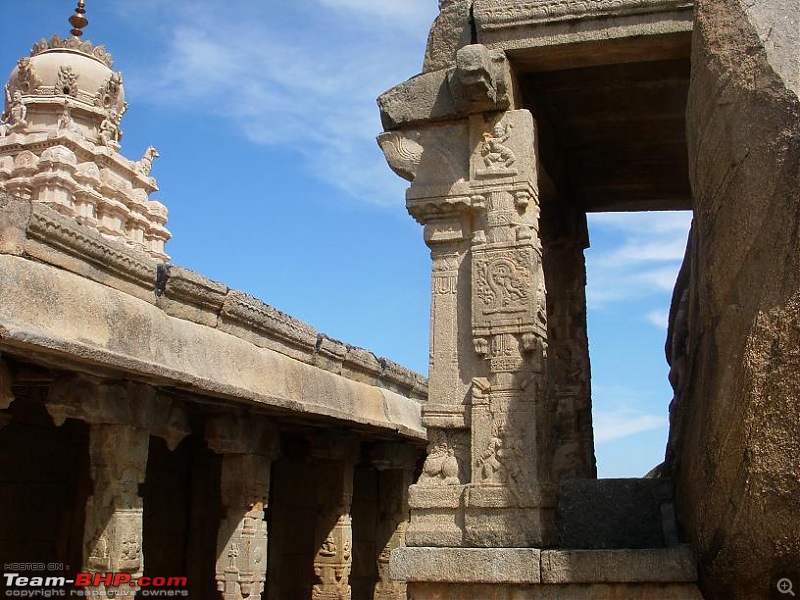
<point x="333" y="560"/>
<point x="113" y="530"/>
<point x="564" y="238"/>
<point x="248" y="446"/>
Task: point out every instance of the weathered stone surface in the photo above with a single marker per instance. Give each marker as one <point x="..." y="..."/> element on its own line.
<point x="189" y="295"/>
<point x="735" y="422"/>
<point x="15" y="215"/>
<point x="558" y="28"/>
<point x="66" y="317"/>
<point x="667" y="565"/>
<point x="118" y="403"/>
<point x="612" y="513"/>
<point x="467" y="565"/>
<point x="580" y="591"/>
<point x="479" y="80"/>
<point x="451" y="30"/>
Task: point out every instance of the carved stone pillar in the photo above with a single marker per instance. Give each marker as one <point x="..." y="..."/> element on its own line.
<point x="248" y="446"/>
<point x="336" y="458"/>
<point x="122" y="416"/>
<point x="113" y="530"/>
<point x="395" y="464"/>
<point x="487" y="480"/>
<point x="564" y="238"/>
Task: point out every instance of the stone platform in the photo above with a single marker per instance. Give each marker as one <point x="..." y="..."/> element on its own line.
<point x="533" y="574"/>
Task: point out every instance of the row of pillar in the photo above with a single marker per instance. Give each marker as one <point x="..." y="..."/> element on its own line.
<point x="123" y="416"/>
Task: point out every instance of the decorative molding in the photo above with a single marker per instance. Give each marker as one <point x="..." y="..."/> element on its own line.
<point x="72" y="43"/>
<point x="516" y="14"/>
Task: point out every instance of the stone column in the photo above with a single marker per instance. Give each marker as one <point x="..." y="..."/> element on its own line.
<point x="565" y="237"/>
<point x="336" y="458"/>
<point x="487" y="480"/>
<point x="113" y="530"/>
<point x="248" y="446"/>
<point x="395" y="464"/>
<point x="122" y="416"/>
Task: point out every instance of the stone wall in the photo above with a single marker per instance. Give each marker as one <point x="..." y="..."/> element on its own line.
<point x="734" y="448"/>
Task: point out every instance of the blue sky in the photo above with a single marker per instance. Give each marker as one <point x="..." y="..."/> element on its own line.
<point x="264" y="114"/>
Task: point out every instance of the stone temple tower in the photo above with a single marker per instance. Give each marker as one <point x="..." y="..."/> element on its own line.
<point x="60" y="142"/>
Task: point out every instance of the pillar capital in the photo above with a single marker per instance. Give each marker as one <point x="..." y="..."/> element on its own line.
<point x="237" y="433"/>
<point x="118" y="403"/>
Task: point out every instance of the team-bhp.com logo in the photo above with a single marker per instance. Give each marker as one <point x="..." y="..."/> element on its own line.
<point x="92" y="584"/>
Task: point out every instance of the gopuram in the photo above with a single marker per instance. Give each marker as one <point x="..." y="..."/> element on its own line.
<point x="528" y="115"/>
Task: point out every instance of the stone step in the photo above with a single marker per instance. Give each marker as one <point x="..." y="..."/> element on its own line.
<point x="532" y="574"/>
<point x="616" y="513"/>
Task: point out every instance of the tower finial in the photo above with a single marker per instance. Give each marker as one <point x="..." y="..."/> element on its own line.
<point x="79" y="20"/>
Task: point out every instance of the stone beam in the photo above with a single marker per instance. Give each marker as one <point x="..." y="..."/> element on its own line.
<point x="131" y="336"/>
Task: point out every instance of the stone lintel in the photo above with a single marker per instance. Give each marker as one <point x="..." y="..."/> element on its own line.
<point x="466" y="565"/>
<point x="554" y="34"/>
<point x="125" y="403"/>
<point x="342" y="446"/>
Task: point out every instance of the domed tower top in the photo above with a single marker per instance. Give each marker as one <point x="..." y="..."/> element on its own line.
<point x="65" y="100"/>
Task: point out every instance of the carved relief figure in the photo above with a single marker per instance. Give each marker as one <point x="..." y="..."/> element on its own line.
<point x="109" y="130"/>
<point x="26" y="76"/>
<point x="67" y="81"/>
<point x="496" y="155"/>
<point x="503" y="286"/>
<point x="17" y="112"/>
<point x="109" y="94"/>
<point x="491" y="467"/>
<point x="441" y="466"/>
<point x="65" y="122"/>
<point x="145" y="164"/>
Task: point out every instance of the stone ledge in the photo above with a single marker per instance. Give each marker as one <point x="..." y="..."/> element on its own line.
<point x="548" y="567"/>
<point x="466" y="565"/>
<point x="659" y="565"/>
<point x="33" y="230"/>
<point x="70" y="321"/>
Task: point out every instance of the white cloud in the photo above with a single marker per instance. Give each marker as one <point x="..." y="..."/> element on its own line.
<point x="643" y="259"/>
<point x="658" y="318"/>
<point x="617" y="424"/>
<point x="297" y="78"/>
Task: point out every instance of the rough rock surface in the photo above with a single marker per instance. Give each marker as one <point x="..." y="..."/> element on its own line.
<point x="737" y="417"/>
